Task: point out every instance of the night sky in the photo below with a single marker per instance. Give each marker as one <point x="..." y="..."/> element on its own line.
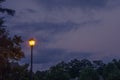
<point x="67" y="29"/>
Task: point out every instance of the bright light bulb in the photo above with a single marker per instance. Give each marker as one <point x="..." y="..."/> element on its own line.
<point x="32" y="42"/>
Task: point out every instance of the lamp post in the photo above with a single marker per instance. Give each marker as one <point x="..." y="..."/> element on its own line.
<point x="31" y="44"/>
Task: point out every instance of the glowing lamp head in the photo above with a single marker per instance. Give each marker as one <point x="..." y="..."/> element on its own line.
<point x="32" y="42"/>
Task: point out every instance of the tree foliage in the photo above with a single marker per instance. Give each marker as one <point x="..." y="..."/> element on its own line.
<point x="88" y="74"/>
<point x="81" y="70"/>
<point x="58" y="72"/>
<point x="10" y="47"/>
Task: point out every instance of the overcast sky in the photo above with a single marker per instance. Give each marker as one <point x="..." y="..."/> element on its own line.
<point x="67" y="29"/>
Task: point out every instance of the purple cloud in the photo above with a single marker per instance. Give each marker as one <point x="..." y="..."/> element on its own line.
<point x="68" y="29"/>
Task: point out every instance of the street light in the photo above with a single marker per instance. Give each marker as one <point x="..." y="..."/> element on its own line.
<point x="31" y="44"/>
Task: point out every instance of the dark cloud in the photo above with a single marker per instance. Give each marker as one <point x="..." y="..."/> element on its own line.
<point x="46" y="56"/>
<point x="44" y="32"/>
<point x="31" y="10"/>
<point x="74" y="3"/>
<point x="49" y="55"/>
<point x="47" y="31"/>
<point x="52" y="28"/>
<point x="49" y="27"/>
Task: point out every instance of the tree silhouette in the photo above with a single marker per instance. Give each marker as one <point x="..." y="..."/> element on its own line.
<point x="10" y="47"/>
<point x="88" y="74"/>
<point x="81" y="70"/>
<point x="58" y="72"/>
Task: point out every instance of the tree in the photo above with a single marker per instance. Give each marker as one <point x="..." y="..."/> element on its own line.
<point x="41" y="75"/>
<point x="75" y="66"/>
<point x="18" y="72"/>
<point x="99" y="67"/>
<point x="10" y="47"/>
<point x="85" y="71"/>
<point x="58" y="72"/>
<point x="88" y="74"/>
<point x="112" y="71"/>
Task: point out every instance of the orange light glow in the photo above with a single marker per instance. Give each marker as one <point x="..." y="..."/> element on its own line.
<point x="32" y="42"/>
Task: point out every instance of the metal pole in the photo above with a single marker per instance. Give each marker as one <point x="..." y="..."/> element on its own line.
<point x="31" y="65"/>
